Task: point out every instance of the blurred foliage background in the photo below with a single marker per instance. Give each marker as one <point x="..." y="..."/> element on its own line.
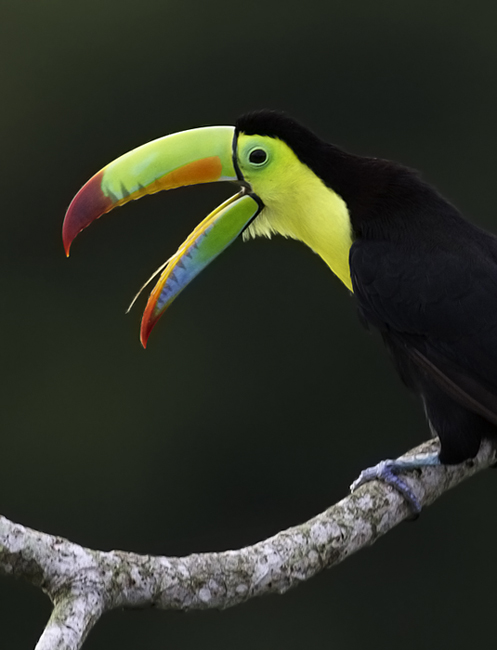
<point x="259" y="397"/>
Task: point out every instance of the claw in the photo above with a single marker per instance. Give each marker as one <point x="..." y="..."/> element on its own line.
<point x="386" y="471"/>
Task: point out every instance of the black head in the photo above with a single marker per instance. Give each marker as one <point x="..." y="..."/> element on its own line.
<point x="307" y="146"/>
<point x="277" y="124"/>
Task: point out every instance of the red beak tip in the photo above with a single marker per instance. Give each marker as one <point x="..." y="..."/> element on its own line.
<point x="144" y="334"/>
<point x="67" y="241"/>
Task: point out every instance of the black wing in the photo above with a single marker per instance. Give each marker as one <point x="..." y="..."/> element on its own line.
<point x="439" y="304"/>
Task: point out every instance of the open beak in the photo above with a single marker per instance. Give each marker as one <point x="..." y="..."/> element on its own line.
<point x="187" y="158"/>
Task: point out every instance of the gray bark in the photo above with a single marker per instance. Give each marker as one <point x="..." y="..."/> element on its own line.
<point x="84" y="583"/>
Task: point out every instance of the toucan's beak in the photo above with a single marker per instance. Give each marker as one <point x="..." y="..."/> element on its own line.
<point x="188" y="158"/>
<point x="211" y="237"/>
<point x="185" y="158"/>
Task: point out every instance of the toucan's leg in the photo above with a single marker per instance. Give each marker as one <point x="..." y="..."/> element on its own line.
<point x="387" y="470"/>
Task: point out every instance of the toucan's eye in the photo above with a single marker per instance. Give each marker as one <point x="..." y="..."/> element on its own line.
<point x="258" y="156"/>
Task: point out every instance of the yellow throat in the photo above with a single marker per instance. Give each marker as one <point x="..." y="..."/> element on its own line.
<point x="297" y="204"/>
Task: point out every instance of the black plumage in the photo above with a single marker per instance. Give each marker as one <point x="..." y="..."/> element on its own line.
<point x="422" y="275"/>
<point x="427" y="280"/>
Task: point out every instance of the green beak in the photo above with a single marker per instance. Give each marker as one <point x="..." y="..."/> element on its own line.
<point x="187" y="158"/>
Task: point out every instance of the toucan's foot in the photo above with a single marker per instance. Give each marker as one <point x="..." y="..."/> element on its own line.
<point x="387" y="470"/>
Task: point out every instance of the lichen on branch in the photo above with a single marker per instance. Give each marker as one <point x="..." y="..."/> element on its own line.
<point x="83" y="584"/>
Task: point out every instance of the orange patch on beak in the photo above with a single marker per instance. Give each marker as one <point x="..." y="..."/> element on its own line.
<point x="205" y="170"/>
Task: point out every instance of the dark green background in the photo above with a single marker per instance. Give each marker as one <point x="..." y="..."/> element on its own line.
<point x="260" y="397"/>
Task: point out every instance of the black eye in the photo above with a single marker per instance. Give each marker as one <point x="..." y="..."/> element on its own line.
<point x="258" y="156"/>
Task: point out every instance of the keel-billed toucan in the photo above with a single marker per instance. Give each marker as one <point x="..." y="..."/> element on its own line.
<point x="421" y="274"/>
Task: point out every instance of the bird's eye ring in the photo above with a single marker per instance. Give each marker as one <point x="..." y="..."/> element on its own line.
<point x="258" y="156"/>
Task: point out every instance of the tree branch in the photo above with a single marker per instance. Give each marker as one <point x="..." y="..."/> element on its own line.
<point x="83" y="583"/>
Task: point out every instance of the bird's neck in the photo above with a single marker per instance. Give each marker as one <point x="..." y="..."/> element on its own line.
<point x="309" y="211"/>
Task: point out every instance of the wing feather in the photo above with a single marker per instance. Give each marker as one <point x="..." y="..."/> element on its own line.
<point x="439" y="303"/>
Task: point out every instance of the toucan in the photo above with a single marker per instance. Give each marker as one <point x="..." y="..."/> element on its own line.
<point x="421" y="274"/>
